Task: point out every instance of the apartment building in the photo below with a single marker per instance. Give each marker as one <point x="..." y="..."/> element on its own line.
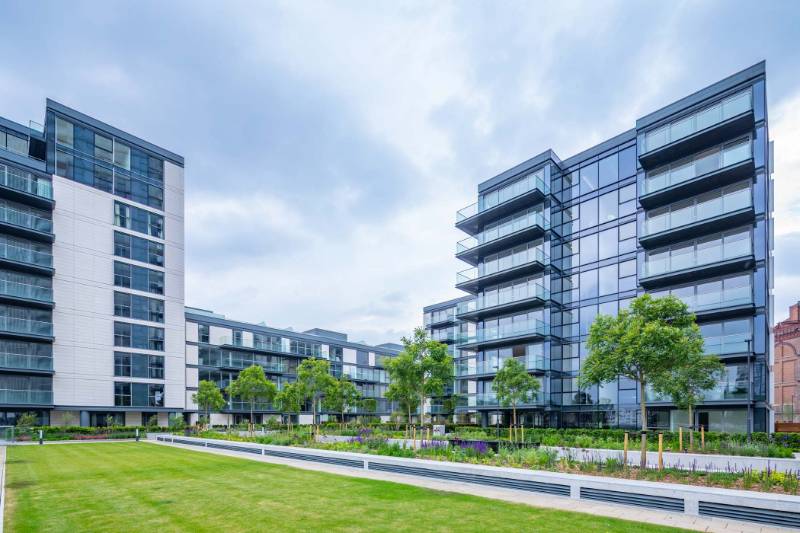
<point x="680" y="204"/>
<point x="217" y="349"/>
<point x="787" y="367"/>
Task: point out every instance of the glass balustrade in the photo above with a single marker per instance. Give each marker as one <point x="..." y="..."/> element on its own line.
<point x="518" y="329"/>
<point x="26" y="397"/>
<point x="719" y="298"/>
<point x="727" y="344"/>
<point x="512" y="294"/>
<point x="697" y="254"/>
<point x="473" y="368"/>
<point x="519" y="187"/>
<point x="25" y="326"/>
<point x="489" y="399"/>
<point x="25" y="255"/>
<point x="696" y="165"/>
<point x="25" y="290"/>
<point x="532" y="255"/>
<point x="26" y="361"/>
<point x="25" y="182"/>
<point x="517" y="223"/>
<point x="707" y="206"/>
<point x="13" y="216"/>
<point x="705" y="118"/>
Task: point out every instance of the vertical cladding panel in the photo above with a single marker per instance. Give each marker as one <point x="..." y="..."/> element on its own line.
<point x="191" y="332"/>
<point x="218" y="335"/>
<point x="83" y="289"/>
<point x="349" y="355"/>
<point x="191" y="354"/>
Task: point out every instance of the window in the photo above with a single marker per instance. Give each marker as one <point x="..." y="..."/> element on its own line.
<point x="627" y="193"/>
<point x="136" y="219"/>
<point x="627" y="231"/>
<point x="103" y="148"/>
<point x="122" y="394"/>
<point x="608" y="170"/>
<point x="138" y="336"/>
<point x="122" y="364"/>
<point x="138" y="249"/>
<point x="138" y="307"/>
<point x="628" y="268"/>
<point x="587" y="317"/>
<point x="122" y="155"/>
<point x="608" y="280"/>
<point x="138" y="394"/>
<point x="588" y="249"/>
<point x="203" y="333"/>
<point x="588" y="284"/>
<point x="138" y="278"/>
<point x="608" y="207"/>
<point x="362" y="357"/>
<point x="64" y="164"/>
<point x="588" y="213"/>
<point x="608" y="243"/>
<point x="64" y="132"/>
<point x="627" y="162"/>
<point x="138" y="365"/>
<point x="588" y="178"/>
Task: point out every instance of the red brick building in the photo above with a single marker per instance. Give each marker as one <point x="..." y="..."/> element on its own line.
<point x="787" y="367"/>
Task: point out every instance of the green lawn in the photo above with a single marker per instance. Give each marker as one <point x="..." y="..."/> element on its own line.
<point x="146" y="487"/>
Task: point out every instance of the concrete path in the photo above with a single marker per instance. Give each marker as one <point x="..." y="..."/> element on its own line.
<point x="515" y="496"/>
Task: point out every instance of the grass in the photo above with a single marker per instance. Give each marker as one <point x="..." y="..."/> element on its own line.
<point x="146" y="487"/>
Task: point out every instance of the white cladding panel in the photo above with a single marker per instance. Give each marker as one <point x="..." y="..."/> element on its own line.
<point x="83" y="289"/>
<point x="191" y="354"/>
<point x="349" y="355"/>
<point x="191" y="332"/>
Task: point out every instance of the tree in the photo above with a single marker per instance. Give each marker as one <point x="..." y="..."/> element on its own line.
<point x="402" y="384"/>
<point x="314" y="378"/>
<point x="642" y="343"/>
<point x="208" y="397"/>
<point x="369" y="405"/>
<point x="686" y="384"/>
<point x="513" y="385"/>
<point x="423" y="369"/>
<point x="252" y="386"/>
<point x="26" y="421"/>
<point x="340" y="396"/>
<point x="290" y="400"/>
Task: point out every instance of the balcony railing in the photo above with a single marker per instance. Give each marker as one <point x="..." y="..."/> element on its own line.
<point x="365" y="374"/>
<point x="25" y="255"/>
<point x="533" y="255"/>
<point x="519" y="223"/>
<point x="26" y="397"/>
<point x="25" y="182"/>
<point x="728" y="344"/>
<point x="26" y="326"/>
<point x="531" y="362"/>
<point x="721" y="205"/>
<point x="15" y="217"/>
<point x="664" y="263"/>
<point x="26" y="290"/>
<point x="26" y="361"/>
<point x="697" y="165"/>
<point x="489" y="399"/>
<point x="718" y="299"/>
<point x="527" y="327"/>
<point x="522" y="186"/>
<point x="705" y="118"/>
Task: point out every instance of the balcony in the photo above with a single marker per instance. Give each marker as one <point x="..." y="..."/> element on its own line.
<point x="707" y="127"/>
<point x="722" y="345"/>
<point x="365" y="374"/>
<point x="14" y="292"/>
<point x="730" y="207"/>
<point x="516" y="298"/>
<point x="527" y="329"/>
<point x="25" y="186"/>
<point x="15" y="256"/>
<point x="24" y="224"/>
<point x="489" y="400"/>
<point x="710" y="169"/>
<point x="236" y="405"/>
<point x="517" y="230"/>
<point x="533" y="363"/>
<point x="24" y="327"/>
<point x="708" y="258"/>
<point x="523" y="192"/>
<point x="518" y="265"/>
<point x="715" y="304"/>
<point x="25" y="397"/>
<point x="26" y="362"/>
<point x="226" y="340"/>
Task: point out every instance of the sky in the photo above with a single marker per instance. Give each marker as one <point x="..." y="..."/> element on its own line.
<point x="328" y="145"/>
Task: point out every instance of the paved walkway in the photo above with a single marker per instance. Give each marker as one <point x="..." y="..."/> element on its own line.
<point x="515" y="496"/>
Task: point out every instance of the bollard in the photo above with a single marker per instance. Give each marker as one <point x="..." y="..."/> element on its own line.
<point x="680" y="438"/>
<point x="702" y="437"/>
<point x="137" y="434"/>
<point x="413" y="437"/>
<point x="41" y="437"/>
<point x="625" y="450"/>
<point x="661" y="451"/>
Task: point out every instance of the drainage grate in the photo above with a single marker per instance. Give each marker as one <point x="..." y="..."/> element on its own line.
<point x="629" y="498"/>
<point x="494" y="481"/>
<point x="354" y="463"/>
<point x="751" y="514"/>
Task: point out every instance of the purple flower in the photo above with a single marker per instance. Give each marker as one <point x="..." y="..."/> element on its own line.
<point x="478" y="447"/>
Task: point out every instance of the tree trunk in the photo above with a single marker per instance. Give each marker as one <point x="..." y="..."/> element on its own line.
<point x="643" y="409"/>
<point x="691" y="428"/>
<point x="514" y="417"/>
<point x="252" y="425"/>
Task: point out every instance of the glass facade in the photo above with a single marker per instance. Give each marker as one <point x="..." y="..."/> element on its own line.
<point x="680" y="205"/>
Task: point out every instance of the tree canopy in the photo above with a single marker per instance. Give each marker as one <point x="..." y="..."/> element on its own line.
<point x="313" y="379"/>
<point x="252" y="386"/>
<point x="208" y="398"/>
<point x="513" y="385"/>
